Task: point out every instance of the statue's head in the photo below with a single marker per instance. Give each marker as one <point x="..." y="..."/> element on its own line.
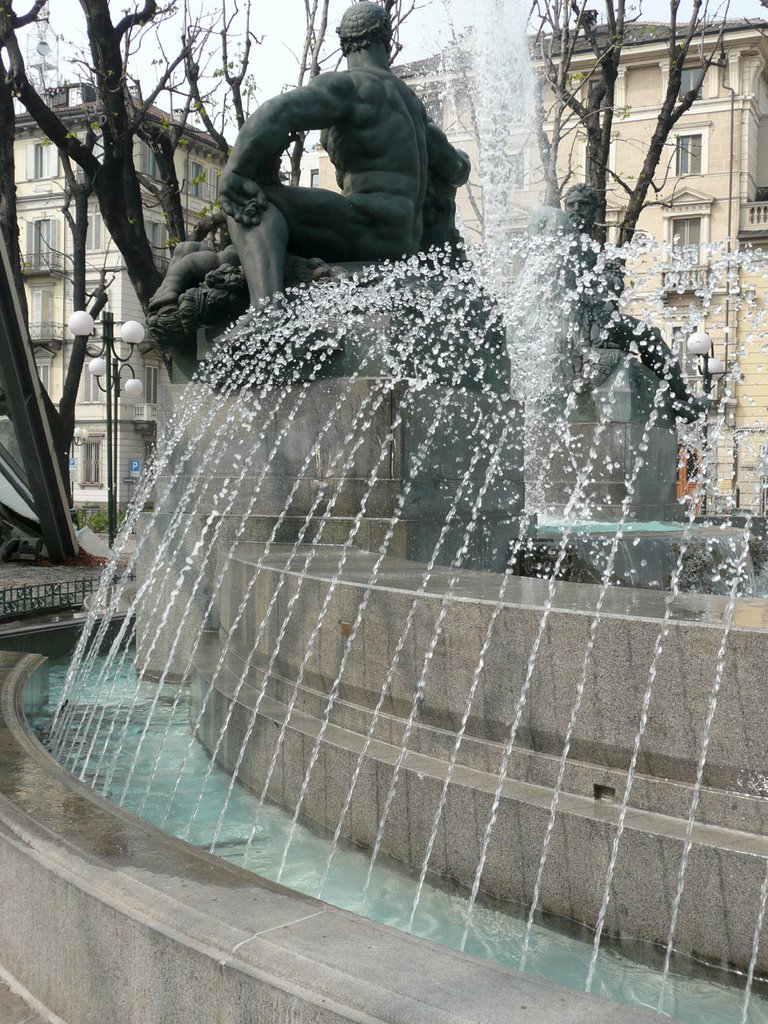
<point x="362" y="25"/>
<point x="580" y="203"/>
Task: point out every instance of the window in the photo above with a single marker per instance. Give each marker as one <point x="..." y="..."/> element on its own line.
<point x="688" y="154"/>
<point x="517" y="171"/>
<point x="151" y="376"/>
<point x="595" y="86"/>
<point x="90" y="394"/>
<point x="148" y="161"/>
<point x="93" y="238"/>
<point x="157" y="233"/>
<point x="314" y="178"/>
<point x="44" y="373"/>
<point x="42" y="160"/>
<point x="41" y="244"/>
<point x="688" y="362"/>
<point x="41" y="326"/>
<point x="691" y="78"/>
<point x="430" y="92"/>
<point x="196" y="179"/>
<point x="686" y="236"/>
<point x="91" y="462"/>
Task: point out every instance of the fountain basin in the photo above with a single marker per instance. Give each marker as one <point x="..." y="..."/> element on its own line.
<point x="104" y="917"/>
<point x="727" y="862"/>
<point x="647" y="555"/>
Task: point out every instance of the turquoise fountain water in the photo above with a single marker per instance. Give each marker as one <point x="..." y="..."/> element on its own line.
<point x="255" y="835"/>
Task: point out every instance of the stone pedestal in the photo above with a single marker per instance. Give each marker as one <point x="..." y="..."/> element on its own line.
<point x="427" y="470"/>
<point x="609" y="435"/>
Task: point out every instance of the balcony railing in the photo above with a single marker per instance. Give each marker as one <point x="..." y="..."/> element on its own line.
<point x="42" y="263"/>
<point x="145" y="413"/>
<point x="754" y="217"/>
<point x="686" y="279"/>
<point x="46" y="332"/>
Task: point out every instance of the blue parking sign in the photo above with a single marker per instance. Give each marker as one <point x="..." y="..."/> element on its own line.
<point x="135" y="467"/>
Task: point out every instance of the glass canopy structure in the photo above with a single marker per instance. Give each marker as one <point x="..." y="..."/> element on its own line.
<point x="33" y="496"/>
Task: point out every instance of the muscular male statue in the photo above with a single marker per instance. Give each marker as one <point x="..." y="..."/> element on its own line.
<point x="397" y="171"/>
<point x="599" y="326"/>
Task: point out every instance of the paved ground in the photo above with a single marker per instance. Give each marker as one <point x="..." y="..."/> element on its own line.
<point x="30" y="574"/>
<point x="14" y="1010"/>
<point x="27" y="574"/>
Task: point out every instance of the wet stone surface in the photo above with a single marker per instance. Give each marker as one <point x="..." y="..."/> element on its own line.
<point x="14" y="1010"/>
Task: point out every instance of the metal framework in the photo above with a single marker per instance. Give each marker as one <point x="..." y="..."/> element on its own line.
<point x="39" y="480"/>
<point x="45" y="597"/>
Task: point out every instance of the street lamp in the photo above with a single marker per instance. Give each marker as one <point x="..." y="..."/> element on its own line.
<point x="700" y="344"/>
<point x="107" y="364"/>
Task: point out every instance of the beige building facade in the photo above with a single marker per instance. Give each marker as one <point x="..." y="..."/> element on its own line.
<point x="46" y="246"/>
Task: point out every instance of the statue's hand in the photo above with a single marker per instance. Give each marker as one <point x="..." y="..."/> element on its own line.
<point x="242" y="198"/>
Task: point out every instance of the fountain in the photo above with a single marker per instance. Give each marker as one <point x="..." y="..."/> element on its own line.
<point x="331" y="672"/>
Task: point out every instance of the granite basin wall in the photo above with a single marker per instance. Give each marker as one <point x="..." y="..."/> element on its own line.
<point x="283" y="673"/>
<point x="718" y="911"/>
<point x="615" y="673"/>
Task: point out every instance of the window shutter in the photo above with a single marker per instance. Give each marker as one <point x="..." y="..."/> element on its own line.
<point x="46" y="305"/>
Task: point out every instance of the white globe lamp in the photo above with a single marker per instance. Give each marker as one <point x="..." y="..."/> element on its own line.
<point x="132" y="332"/>
<point x="716" y="366"/>
<point x="699" y="343"/>
<point x="81" y="323"/>
<point x="98" y="366"/>
<point x="133" y="388"/>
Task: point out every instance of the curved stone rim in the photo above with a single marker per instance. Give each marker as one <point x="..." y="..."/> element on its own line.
<point x="104" y="895"/>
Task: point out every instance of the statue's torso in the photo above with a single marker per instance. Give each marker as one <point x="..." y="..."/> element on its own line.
<point x="381" y="145"/>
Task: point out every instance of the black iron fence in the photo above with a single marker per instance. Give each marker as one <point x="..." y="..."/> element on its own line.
<point x="45" y="597"/>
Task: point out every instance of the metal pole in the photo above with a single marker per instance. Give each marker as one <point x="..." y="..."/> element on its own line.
<point x="115" y="441"/>
<point x="705" y="433"/>
<point x="108" y="334"/>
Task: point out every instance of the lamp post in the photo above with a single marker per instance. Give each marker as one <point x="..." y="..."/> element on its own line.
<point x="106" y="363"/>
<point x="700" y="344"/>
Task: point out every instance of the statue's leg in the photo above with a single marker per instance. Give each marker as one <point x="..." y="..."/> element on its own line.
<point x="659" y="358"/>
<point x="262" y="248"/>
<point x="190" y="263"/>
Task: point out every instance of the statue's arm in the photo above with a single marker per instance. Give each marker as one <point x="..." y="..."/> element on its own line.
<point x="446" y="162"/>
<point x="267" y="132"/>
<point x="255" y="157"/>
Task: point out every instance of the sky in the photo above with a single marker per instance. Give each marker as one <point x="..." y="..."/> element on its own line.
<point x="280" y="25"/>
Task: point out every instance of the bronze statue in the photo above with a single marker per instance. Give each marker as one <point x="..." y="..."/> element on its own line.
<point x="397" y="171"/>
<point x="595" y="319"/>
